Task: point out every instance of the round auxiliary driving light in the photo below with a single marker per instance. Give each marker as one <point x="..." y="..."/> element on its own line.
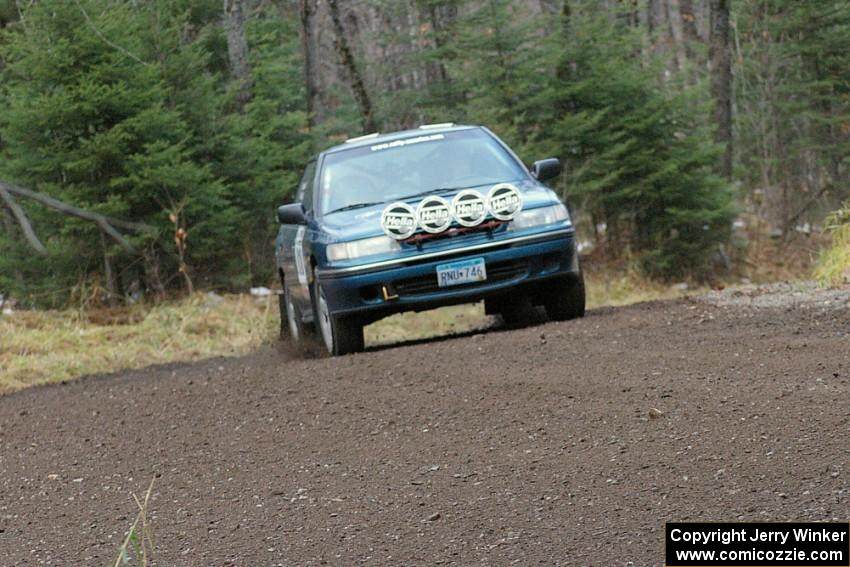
<point x="399" y="221"/>
<point x="434" y="214"/>
<point x="469" y="208"/>
<point x="504" y="201"/>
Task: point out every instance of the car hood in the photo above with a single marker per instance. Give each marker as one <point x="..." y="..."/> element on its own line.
<point x="366" y="222"/>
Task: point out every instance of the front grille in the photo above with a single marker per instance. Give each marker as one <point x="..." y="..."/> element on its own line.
<point x="491" y="226"/>
<point x="496" y="272"/>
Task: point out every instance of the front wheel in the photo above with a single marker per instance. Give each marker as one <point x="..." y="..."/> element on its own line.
<point x="518" y="312"/>
<point x="565" y="298"/>
<point x="342" y="335"/>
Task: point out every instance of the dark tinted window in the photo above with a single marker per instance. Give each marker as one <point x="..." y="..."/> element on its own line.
<point x="305" y="188"/>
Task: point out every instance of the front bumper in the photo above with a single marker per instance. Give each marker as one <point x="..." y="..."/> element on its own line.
<point x="373" y="291"/>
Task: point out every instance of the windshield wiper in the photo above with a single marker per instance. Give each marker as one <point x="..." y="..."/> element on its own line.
<point x="354" y="206"/>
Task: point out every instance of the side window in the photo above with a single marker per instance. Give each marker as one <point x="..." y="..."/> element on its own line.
<point x="305" y="188"/>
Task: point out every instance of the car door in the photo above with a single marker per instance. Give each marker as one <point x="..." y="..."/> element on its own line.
<point x="293" y="245"/>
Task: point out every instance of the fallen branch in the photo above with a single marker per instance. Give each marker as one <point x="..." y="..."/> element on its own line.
<point x="23" y="221"/>
<point x="106" y="224"/>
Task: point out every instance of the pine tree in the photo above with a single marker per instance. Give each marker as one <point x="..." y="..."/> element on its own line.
<point x="267" y="145"/>
<point x="793" y="99"/>
<point x="95" y="120"/>
<point x="417" y="43"/>
<point x="639" y="159"/>
<point x="815" y="35"/>
<point x="498" y="65"/>
<point x="130" y="113"/>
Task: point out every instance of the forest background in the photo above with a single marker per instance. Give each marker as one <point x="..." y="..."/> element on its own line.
<point x="144" y="144"/>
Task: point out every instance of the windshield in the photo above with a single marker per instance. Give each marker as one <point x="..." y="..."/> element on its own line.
<point x="411" y="166"/>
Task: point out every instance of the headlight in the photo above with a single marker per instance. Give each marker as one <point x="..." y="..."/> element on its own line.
<point x="540" y="216"/>
<point x="360" y="248"/>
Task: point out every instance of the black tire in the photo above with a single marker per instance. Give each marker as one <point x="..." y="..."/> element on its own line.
<point x="565" y="298"/>
<point x="284" y="322"/>
<point x="518" y="312"/>
<point x="341" y="335"/>
<point x="291" y="326"/>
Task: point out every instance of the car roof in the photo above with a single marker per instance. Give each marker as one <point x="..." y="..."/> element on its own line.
<point x="372" y="139"/>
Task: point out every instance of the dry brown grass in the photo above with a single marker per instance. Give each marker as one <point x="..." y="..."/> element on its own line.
<point x="625" y="288"/>
<point x="52" y="346"/>
<point x="833" y="268"/>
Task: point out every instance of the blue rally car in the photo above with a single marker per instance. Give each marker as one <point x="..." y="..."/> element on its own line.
<point x="419" y="219"/>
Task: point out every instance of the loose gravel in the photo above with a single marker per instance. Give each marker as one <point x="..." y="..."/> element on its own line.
<point x="562" y="444"/>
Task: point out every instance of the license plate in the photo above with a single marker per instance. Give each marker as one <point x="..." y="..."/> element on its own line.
<point x="456" y="273"/>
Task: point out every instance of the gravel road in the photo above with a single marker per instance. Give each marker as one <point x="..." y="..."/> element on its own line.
<point x="562" y="444"/>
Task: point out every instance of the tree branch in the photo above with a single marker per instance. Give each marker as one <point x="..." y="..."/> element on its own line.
<point x="104" y="38"/>
<point x="106" y="224"/>
<point x="23" y="221"/>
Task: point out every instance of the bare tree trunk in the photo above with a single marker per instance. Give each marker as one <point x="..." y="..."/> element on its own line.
<point x="674" y="16"/>
<point x="565" y="67"/>
<point x="689" y="19"/>
<point x="237" y="50"/>
<point x="702" y="13"/>
<point x="651" y="16"/>
<point x="153" y="278"/>
<point x="438" y="69"/>
<point x="689" y="25"/>
<point x="548" y="7"/>
<point x="9" y="224"/>
<point x="500" y="50"/>
<point x="307" y="12"/>
<point x="346" y="59"/>
<point x="721" y="80"/>
<point x="108" y="272"/>
<point x="644" y="24"/>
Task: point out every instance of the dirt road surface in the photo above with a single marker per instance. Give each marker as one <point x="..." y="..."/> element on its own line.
<point x="563" y="444"/>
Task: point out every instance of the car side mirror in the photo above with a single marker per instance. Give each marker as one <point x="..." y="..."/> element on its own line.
<point x="291" y="214"/>
<point x="546" y="169"/>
